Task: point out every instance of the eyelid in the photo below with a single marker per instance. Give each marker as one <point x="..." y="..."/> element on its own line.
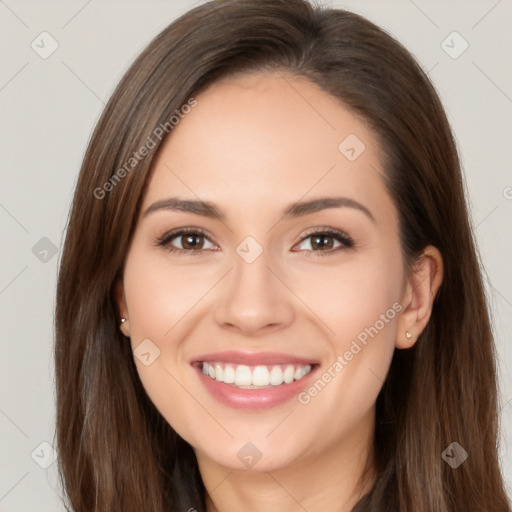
<point x="165" y="239"/>
<point x="343" y="238"/>
<point x="346" y="241"/>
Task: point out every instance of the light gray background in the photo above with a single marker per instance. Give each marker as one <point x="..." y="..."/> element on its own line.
<point x="49" y="108"/>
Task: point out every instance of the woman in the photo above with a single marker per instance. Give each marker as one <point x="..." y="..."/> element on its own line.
<point x="269" y="295"/>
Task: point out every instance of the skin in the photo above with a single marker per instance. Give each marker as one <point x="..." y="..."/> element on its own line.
<point x="253" y="145"/>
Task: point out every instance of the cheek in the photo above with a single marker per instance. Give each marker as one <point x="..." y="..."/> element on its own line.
<point x="359" y="305"/>
<point x="354" y="296"/>
<point x="163" y="301"/>
<point x="159" y="295"/>
<point x="158" y="298"/>
<point x="365" y="303"/>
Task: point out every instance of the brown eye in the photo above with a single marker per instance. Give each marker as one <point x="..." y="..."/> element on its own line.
<point x="322" y="242"/>
<point x="325" y="241"/>
<point x="191" y="241"/>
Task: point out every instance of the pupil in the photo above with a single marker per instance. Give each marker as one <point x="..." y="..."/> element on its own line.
<point x="189" y="242"/>
<point x="319" y="241"/>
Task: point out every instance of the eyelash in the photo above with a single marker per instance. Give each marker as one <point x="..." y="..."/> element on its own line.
<point x="346" y="241"/>
<point x="340" y="236"/>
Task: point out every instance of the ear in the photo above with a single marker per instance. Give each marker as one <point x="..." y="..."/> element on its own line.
<point x="419" y="294"/>
<point x="123" y="309"/>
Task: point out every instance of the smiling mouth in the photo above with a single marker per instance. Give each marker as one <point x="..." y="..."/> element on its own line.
<point x="254" y="377"/>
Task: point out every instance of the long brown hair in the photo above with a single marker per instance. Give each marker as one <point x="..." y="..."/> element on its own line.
<point x="116" y="452"/>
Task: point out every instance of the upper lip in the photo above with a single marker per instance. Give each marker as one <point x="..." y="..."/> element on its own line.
<point x="252" y="359"/>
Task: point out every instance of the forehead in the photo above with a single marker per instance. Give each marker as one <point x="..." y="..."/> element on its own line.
<point x="270" y="138"/>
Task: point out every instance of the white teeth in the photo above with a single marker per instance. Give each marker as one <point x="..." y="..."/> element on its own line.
<point x="276" y="376"/>
<point x="300" y="372"/>
<point x="260" y="376"/>
<point x="229" y="374"/>
<point x="218" y="372"/>
<point x="289" y="374"/>
<point x="250" y="377"/>
<point x="243" y="375"/>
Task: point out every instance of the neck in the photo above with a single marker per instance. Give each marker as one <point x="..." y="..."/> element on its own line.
<point x="331" y="481"/>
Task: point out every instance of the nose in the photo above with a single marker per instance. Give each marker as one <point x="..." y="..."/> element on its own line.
<point x="253" y="299"/>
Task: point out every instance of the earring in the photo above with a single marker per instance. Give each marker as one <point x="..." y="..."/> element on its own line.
<point x="408" y="335"/>
<point x="122" y="327"/>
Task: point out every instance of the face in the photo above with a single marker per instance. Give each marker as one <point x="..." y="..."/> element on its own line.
<point x="287" y="285"/>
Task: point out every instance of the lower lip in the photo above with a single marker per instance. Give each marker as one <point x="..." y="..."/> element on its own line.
<point x="254" y="399"/>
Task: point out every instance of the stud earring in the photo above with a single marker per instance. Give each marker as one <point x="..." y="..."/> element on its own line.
<point x="408" y="335"/>
<point x="123" y="328"/>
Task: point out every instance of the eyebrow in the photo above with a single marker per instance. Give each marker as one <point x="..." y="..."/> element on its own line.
<point x="298" y="209"/>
